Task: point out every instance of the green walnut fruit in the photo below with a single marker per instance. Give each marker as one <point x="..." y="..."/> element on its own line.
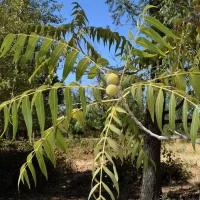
<point x="112" y="90"/>
<point x="112" y="78"/>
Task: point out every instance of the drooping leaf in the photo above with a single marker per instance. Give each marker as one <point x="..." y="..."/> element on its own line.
<point x="55" y="55"/>
<point x="194" y="79"/>
<point x="93" y="72"/>
<point x="157" y="24"/>
<point x="139" y="95"/>
<point x="112" y="177"/>
<point x="14" y="117"/>
<point x="60" y="141"/>
<point x="18" y="47"/>
<point x="53" y="103"/>
<point x="180" y="82"/>
<point x="151" y="33"/>
<point x="26" y="111"/>
<point x="39" y="105"/>
<point x="108" y="191"/>
<point x="69" y="63"/>
<point x="79" y="116"/>
<point x="185" y="116"/>
<point x="41" y="163"/>
<point x="7" y="44"/>
<point x="32" y="42"/>
<point x="31" y="168"/>
<point x="172" y="111"/>
<point x="114" y="129"/>
<point x="39" y="155"/>
<point x="46" y="44"/>
<point x="68" y="102"/>
<point x="83" y="99"/>
<point x="159" y="108"/>
<point x="81" y="67"/>
<point x="194" y="126"/>
<point x="151" y="101"/>
<point x="149" y="45"/>
<point x="140" y="159"/>
<point x="6" y="111"/>
<point x="49" y="150"/>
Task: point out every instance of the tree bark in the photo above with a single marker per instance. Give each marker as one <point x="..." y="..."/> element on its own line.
<point x="151" y="187"/>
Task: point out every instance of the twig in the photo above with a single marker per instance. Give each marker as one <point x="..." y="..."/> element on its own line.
<point x="142" y="127"/>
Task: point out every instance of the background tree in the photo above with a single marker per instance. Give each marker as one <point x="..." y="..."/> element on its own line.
<point x="16" y="16"/>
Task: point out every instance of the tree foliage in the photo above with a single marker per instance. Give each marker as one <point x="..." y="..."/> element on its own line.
<point x="171" y="96"/>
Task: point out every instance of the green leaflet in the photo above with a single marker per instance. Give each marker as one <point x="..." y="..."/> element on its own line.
<point x="140" y="53"/>
<point x="83" y="99"/>
<point x="140" y="159"/>
<point x="135" y="151"/>
<point x="180" y="82"/>
<point x="18" y="47"/>
<point x="25" y="176"/>
<point x="139" y="95"/>
<point x="49" y="150"/>
<point x="112" y="143"/>
<point x="113" y="165"/>
<point x="79" y="116"/>
<point x="102" y="61"/>
<point x="7" y="44"/>
<point x="172" y="111"/>
<point x="194" y="79"/>
<point x="133" y="91"/>
<point x="60" y="141"/>
<point x="97" y="94"/>
<point x="53" y="103"/>
<point x="14" y="118"/>
<point x="55" y="55"/>
<point x="117" y="120"/>
<point x="151" y="33"/>
<point x="41" y="163"/>
<point x="69" y="63"/>
<point x="21" y="174"/>
<point x="6" y="111"/>
<point x="93" y="190"/>
<point x="120" y="109"/>
<point x="114" y="129"/>
<point x="39" y="105"/>
<point x="112" y="177"/>
<point x="107" y="189"/>
<point x="151" y="101"/>
<point x="157" y="24"/>
<point x="31" y="168"/>
<point x="159" y="108"/>
<point x="68" y="102"/>
<point x="194" y="126"/>
<point x="185" y="116"/>
<point x="39" y="69"/>
<point x="44" y="48"/>
<point x="81" y="67"/>
<point x="32" y="42"/>
<point x="149" y="45"/>
<point x="93" y="72"/>
<point x="26" y="111"/>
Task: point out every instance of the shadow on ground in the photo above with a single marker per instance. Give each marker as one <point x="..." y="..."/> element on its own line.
<point x="67" y="183"/>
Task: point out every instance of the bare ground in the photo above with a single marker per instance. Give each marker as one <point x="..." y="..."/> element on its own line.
<point x="72" y="177"/>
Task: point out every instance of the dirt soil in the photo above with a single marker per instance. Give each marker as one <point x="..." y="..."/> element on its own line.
<point x="72" y="177"/>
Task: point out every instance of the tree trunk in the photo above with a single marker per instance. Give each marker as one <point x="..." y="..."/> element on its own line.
<point x="151" y="187"/>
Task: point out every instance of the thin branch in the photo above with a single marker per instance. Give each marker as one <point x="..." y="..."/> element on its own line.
<point x="142" y="127"/>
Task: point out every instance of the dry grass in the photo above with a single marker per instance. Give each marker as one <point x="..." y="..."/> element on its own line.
<point x="191" y="159"/>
